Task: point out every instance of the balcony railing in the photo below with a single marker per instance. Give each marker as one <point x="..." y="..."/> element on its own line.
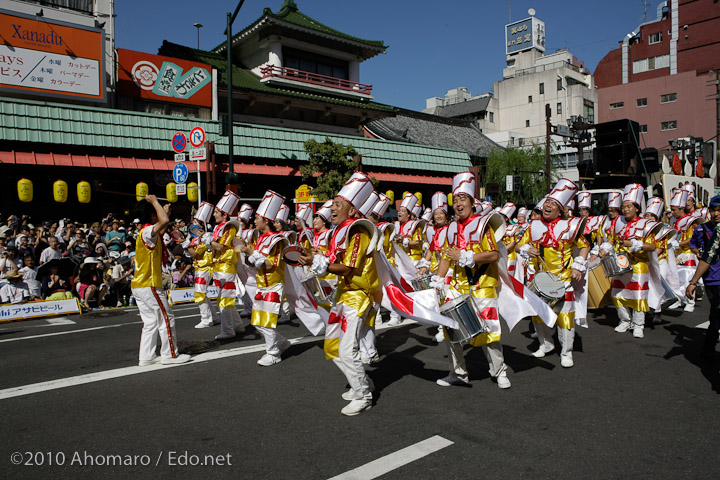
<point x="315" y="79"/>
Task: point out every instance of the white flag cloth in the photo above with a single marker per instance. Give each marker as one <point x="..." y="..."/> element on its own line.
<point x="314" y="317"/>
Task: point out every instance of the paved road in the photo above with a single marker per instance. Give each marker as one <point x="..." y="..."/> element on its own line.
<point x="71" y="394"/>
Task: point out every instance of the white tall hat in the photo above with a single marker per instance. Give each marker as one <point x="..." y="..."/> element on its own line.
<point x="417" y="210"/>
<point x="357" y="189"/>
<point x="283" y="213"/>
<point x="540" y="204"/>
<point x="477" y="206"/>
<point x="508" y="210"/>
<point x="409" y="201"/>
<point x="382" y="205"/>
<point x="702" y="213"/>
<point x="439" y="200"/>
<point x="485" y="208"/>
<point x="584" y="199"/>
<point x="571" y="204"/>
<point x="690" y="188"/>
<point x="325" y="212"/>
<point x="523" y="211"/>
<point x="304" y="213"/>
<point x="367" y="207"/>
<point x="496" y="209"/>
<point x="228" y="203"/>
<point x="464" y="183"/>
<point x="633" y="193"/>
<point x="204" y="213"/>
<point x="270" y="205"/>
<point x="656" y="206"/>
<point x="427" y="214"/>
<point x="679" y="198"/>
<point x="563" y="191"/>
<point x="615" y="199"/>
<point x="245" y="212"/>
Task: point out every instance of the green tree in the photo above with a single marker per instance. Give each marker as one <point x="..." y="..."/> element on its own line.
<point x="501" y="163"/>
<point x="334" y="162"/>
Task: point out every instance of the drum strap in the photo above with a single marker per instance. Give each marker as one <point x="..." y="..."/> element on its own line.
<point x="473" y="279"/>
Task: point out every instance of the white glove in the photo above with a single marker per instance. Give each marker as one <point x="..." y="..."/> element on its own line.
<point x="425" y="246"/>
<point x="466" y="259"/>
<point x="606" y="247"/>
<point x="423" y="263"/>
<point x="673" y="244"/>
<point x="319" y="265"/>
<point x="523" y="251"/>
<point x="595" y="250"/>
<point x="257" y="259"/>
<point x="637" y="245"/>
<point x="437" y="282"/>
<point x="186" y="244"/>
<point x="406" y="242"/>
<point x="207" y="238"/>
<point x="579" y="264"/>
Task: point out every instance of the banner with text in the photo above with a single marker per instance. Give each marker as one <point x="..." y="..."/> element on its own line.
<point x="48" y="308"/>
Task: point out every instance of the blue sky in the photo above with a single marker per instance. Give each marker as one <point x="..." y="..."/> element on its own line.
<point x="433" y="45"/>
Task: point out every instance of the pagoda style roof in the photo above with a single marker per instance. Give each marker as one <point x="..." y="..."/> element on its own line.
<point x="291" y="22"/>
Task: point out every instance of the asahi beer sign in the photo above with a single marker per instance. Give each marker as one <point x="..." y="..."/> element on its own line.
<point x="51" y="58"/>
<point x="163" y="78"/>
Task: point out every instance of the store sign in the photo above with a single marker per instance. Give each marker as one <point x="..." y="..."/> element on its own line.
<point x="51" y="58"/>
<point x="155" y="77"/>
<point x="524" y="35"/>
<point x="303" y="194"/>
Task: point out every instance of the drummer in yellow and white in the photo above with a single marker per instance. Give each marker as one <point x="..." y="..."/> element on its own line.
<point x="550" y="241"/>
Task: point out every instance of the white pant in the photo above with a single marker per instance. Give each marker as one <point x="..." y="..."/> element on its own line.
<point x="272" y="340"/>
<point x="348" y="359"/>
<point x="493" y="353"/>
<point x="157" y="317"/>
<point x="209" y="314"/>
<point x="367" y="340"/>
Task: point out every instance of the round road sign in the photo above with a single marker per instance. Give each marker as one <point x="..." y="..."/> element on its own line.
<point x="197" y="137"/>
<point x="179" y="142"/>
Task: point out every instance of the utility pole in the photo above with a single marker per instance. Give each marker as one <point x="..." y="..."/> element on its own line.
<point x="548" y="132"/>
<point x="580" y="136"/>
<point x="231" y="178"/>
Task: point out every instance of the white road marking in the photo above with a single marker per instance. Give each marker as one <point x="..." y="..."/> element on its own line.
<point x="58" y="321"/>
<point x="32" y="337"/>
<point x="395" y="460"/>
<point x="703" y="325"/>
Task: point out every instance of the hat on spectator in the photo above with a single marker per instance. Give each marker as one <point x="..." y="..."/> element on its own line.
<point x="90" y="260"/>
<point x="14" y="273"/>
<point x="124" y="260"/>
<point x="715" y="201"/>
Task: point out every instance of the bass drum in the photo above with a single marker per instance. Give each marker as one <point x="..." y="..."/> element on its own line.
<point x="598" y="286"/>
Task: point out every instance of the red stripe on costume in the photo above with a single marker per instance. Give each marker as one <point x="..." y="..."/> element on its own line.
<point x="200" y="281"/>
<point x="406" y="286"/>
<point x="273" y="297"/>
<point x="335" y="318"/>
<point x="490" y="313"/>
<point x="569" y="296"/>
<point x="630" y="286"/>
<point x="228" y="286"/>
<point x="518" y="287"/>
<point x="167" y="321"/>
<point x="689" y="263"/>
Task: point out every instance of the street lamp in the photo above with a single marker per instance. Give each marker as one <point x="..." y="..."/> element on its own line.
<point x="231" y="178"/>
<point x="198" y="26"/>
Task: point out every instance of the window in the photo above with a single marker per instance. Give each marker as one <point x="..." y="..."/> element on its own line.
<point x="670" y="125"/>
<point x="314" y="63"/>
<point x="521" y="142"/>
<point x="668" y="98"/>
<point x="559" y="84"/>
<point x="651" y="63"/>
<point x="542" y="89"/>
<point x="512" y="141"/>
<point x="491" y="117"/>
<point x="616" y="105"/>
<point x="643" y="128"/>
<point x="529" y="98"/>
<point x="558" y="107"/>
<point x="642" y="102"/>
<point x="655" y="38"/>
<point x="527" y="123"/>
<point x="589" y="110"/>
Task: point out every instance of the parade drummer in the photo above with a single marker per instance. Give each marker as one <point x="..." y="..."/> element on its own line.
<point x="630" y="291"/>
<point x="267" y="260"/>
<point x="522" y="216"/>
<point x="409" y="229"/>
<point x="225" y="268"/>
<point x="471" y="251"/>
<point x="435" y="235"/>
<point x="245" y="273"/>
<point x="146" y="285"/>
<point x="551" y="241"/>
<point x="653" y="213"/>
<point x="203" y="260"/>
<point x="350" y="257"/>
<point x="306" y="235"/>
<point x="684" y="222"/>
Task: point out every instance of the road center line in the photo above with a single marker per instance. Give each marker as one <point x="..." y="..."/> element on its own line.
<point x="395" y="460"/>
<point x="32" y="337"/>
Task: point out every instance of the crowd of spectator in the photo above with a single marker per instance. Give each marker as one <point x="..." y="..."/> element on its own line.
<point x="62" y="259"/>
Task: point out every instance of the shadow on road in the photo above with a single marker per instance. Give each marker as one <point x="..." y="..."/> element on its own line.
<point x="689" y="341"/>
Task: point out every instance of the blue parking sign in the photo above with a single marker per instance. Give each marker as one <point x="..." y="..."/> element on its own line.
<point x="180" y="173"/>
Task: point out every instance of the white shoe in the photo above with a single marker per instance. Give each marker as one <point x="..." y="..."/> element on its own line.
<point x="184" y="358"/>
<point x="566" y="360"/>
<point x="675" y="305"/>
<point x="503" y="382"/>
<point x="350" y="394"/>
<point x="356" y="406"/>
<point x="394" y="322"/>
<point x="225" y="336"/>
<point x="440" y="336"/>
<point x="622" y="327"/>
<point x="451" y="380"/>
<point x="689" y="308"/>
<point x="203" y="325"/>
<point x="541" y="352"/>
<point x="146" y="363"/>
<point x="638" y="332"/>
<point x="268" y="360"/>
<point x="371" y="360"/>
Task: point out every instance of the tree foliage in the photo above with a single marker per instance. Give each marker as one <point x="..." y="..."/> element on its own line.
<point x="501" y="163"/>
<point x="334" y="162"/>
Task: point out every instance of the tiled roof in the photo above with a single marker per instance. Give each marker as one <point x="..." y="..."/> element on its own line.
<point x="420" y="128"/>
<point x="463" y="108"/>
<point x="78" y="125"/>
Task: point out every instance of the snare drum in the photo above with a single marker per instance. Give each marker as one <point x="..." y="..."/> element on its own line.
<point x="314" y="287"/>
<point x="470" y="323"/>
<point x="616" y="264"/>
<point x="421" y="283"/>
<point x="291" y="255"/>
<point x="548" y="286"/>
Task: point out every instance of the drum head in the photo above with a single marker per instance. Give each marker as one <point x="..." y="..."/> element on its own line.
<point x="622" y="261"/>
<point x="549" y="284"/>
<point x="237" y="242"/>
<point x="450" y="304"/>
<point x="292" y="255"/>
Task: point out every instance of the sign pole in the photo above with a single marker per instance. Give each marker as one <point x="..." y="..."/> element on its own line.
<point x="199" y="183"/>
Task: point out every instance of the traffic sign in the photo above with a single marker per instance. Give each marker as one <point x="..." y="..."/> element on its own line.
<point x="180" y="173"/>
<point x="181" y="188"/>
<point x="180" y="157"/>
<point x="179" y="142"/>
<point x="198" y="154"/>
<point x="197" y="137"/>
